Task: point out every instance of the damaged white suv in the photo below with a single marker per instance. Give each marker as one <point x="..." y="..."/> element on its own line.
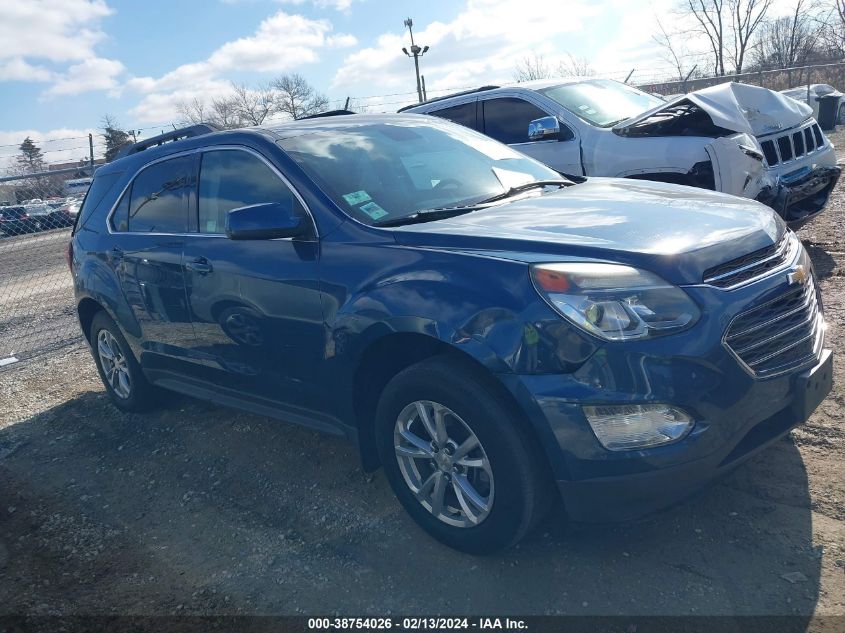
<point x="734" y="138"/>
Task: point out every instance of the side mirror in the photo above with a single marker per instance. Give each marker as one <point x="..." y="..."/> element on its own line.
<point x="266" y="221"/>
<point x="545" y="129"/>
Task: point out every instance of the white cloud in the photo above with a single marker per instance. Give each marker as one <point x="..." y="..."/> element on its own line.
<point x="339" y="5"/>
<point x="95" y="73"/>
<point x="481" y="44"/>
<point x="55" y="30"/>
<point x="18" y="69"/>
<point x="282" y="42"/>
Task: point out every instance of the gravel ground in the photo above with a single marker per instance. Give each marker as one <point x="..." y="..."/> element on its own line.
<point x="204" y="510"/>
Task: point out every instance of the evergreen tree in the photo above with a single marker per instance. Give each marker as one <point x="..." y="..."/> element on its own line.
<point x="114" y="137"/>
<point x="31" y="158"/>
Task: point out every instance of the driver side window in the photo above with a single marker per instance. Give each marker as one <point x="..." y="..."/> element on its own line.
<point x="506" y="119"/>
<point x="234" y="178"/>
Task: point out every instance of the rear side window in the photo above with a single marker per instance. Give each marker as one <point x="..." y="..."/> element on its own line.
<point x="507" y="119"/>
<point x="99" y="188"/>
<point x="232" y="178"/>
<point x="120" y="217"/>
<point x="158" y="200"/>
<point x="463" y="114"/>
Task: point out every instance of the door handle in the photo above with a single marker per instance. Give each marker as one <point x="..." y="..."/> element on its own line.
<point x="200" y="265"/>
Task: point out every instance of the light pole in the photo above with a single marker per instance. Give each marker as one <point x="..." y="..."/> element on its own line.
<point x="416" y="53"/>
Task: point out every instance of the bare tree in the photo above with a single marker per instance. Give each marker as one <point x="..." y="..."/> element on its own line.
<point x="727" y="26"/>
<point x="222" y="112"/>
<point x="746" y="17"/>
<point x="673" y="52"/>
<point x="789" y="40"/>
<point x="531" y="67"/>
<point x="225" y="113"/>
<point x="296" y="98"/>
<point x="193" y="111"/>
<point x="574" y="66"/>
<point x="253" y="105"/>
<point x="710" y="17"/>
<point x="831" y="26"/>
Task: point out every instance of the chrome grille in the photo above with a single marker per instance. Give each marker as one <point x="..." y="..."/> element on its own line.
<point x="792" y="145"/>
<point x="751" y="266"/>
<point x="779" y="335"/>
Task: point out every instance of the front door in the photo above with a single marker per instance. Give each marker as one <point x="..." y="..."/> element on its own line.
<point x="506" y="119"/>
<point x="255" y="304"/>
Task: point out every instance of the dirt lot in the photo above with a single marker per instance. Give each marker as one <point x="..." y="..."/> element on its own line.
<point x="200" y="509"/>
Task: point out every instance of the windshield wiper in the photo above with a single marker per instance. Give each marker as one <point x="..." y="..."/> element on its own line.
<point x="440" y="213"/>
<point x="427" y="215"/>
<point x="536" y="184"/>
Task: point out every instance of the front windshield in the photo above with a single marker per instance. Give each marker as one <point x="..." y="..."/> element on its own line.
<point x="379" y="172"/>
<point x="602" y="102"/>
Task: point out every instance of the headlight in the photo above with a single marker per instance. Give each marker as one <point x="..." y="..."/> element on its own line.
<point x="627" y="427"/>
<point x="615" y="302"/>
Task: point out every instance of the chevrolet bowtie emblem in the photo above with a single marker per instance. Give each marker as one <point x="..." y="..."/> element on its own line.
<point x="798" y="276"/>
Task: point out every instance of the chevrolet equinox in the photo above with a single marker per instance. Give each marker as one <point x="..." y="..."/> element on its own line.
<point x="489" y="331"/>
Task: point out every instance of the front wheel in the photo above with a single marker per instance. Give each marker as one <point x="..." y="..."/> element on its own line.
<point x="458" y="459"/>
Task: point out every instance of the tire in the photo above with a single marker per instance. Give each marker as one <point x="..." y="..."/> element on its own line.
<point x="509" y="474"/>
<point x="840" y="115"/>
<point x="136" y="394"/>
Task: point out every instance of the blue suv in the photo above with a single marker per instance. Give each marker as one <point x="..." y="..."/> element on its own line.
<point x="488" y="330"/>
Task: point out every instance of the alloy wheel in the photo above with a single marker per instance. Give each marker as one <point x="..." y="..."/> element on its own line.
<point x="443" y="463"/>
<point x="114" y="364"/>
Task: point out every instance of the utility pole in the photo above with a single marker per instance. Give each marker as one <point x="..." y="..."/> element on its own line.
<point x="416" y="53"/>
<point x="91" y="151"/>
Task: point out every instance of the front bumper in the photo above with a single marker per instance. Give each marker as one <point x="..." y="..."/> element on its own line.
<point x="800" y="197"/>
<point x="737" y="414"/>
<point x="630" y="496"/>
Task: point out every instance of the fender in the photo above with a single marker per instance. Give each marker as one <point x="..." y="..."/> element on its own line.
<point x="103" y="287"/>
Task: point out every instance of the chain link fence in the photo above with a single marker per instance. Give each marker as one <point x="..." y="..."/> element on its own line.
<point x="36" y="291"/>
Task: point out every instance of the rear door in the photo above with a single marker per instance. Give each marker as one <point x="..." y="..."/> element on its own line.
<point x="255" y="304"/>
<point x="506" y="119"/>
<point x="148" y="228"/>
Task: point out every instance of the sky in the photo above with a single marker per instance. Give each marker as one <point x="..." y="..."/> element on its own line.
<point x="64" y="64"/>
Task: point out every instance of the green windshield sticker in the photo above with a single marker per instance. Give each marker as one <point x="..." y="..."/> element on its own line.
<point x="357" y="197"/>
<point x="373" y="210"/>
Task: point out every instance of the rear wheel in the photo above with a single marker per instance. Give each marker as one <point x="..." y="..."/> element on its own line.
<point x="122" y="377"/>
<point x="458" y="459"/>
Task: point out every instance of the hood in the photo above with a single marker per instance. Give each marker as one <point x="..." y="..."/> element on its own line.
<point x="739" y="108"/>
<point x="677" y="232"/>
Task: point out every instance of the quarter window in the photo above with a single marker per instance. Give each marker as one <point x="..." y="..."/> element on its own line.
<point x="230" y="179"/>
<point x="120" y="217"/>
<point x="157" y="203"/>
<point x="506" y="119"/>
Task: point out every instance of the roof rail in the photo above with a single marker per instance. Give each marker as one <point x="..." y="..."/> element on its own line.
<point x="455" y="94"/>
<point x="324" y="114"/>
<point x="176" y="135"/>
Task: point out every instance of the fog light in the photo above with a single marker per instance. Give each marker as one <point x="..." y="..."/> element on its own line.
<point x="633" y="426"/>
